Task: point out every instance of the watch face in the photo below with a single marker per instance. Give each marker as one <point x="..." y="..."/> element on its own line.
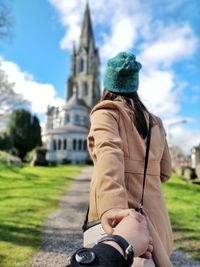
<point x="84" y="256"/>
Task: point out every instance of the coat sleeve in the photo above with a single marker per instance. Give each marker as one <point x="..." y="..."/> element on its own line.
<point x="109" y="160"/>
<point x="165" y="164"/>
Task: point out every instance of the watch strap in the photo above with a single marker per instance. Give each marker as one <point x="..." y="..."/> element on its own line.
<point x="124" y="245"/>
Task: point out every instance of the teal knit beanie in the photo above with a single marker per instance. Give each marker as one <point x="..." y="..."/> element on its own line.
<point x="122" y="74"/>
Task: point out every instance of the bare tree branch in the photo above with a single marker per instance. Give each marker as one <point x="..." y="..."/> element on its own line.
<point x="9" y="100"/>
<point x="6" y="21"/>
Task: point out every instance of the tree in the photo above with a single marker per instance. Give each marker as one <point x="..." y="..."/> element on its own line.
<point x="9" y="100"/>
<point x="5" y="20"/>
<point x="25" y="131"/>
<point x="5" y="142"/>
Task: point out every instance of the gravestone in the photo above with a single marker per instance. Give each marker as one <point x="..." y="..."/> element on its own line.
<point x="179" y="170"/>
<point x="195" y="156"/>
<point x="10" y="159"/>
<point x="188" y="173"/>
<point x="39" y="157"/>
<point x="198" y="170"/>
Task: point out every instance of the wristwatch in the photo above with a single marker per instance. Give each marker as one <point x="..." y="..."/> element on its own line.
<point x="84" y="256"/>
<point x="124" y="245"/>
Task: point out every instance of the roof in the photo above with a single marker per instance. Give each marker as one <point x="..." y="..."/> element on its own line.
<point x="75" y="102"/>
<point x="68" y="128"/>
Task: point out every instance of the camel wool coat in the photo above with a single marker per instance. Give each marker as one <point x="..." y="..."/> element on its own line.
<point x="118" y="153"/>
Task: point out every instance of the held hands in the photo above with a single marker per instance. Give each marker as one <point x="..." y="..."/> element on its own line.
<point x="132" y="226"/>
<point x="112" y="217"/>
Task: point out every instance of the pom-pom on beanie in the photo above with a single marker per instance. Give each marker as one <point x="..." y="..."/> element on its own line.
<point x="122" y="74"/>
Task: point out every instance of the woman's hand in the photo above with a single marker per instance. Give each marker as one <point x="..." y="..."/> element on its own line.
<point x="112" y="217"/>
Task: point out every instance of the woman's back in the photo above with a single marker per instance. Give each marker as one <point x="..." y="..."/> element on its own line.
<point x="118" y="153"/>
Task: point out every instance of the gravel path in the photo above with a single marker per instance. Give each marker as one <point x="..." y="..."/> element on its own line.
<point x="63" y="234"/>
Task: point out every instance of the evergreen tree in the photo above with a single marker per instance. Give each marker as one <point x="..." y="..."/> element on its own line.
<point x="25" y="131"/>
<point x="5" y="142"/>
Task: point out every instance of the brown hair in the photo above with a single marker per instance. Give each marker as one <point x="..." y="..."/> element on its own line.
<point x="136" y="106"/>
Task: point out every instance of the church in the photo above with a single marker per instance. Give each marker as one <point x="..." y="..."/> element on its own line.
<point x="66" y="127"/>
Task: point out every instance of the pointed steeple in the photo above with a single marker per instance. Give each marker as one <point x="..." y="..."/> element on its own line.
<point x="84" y="66"/>
<point x="73" y="59"/>
<point x="87" y="36"/>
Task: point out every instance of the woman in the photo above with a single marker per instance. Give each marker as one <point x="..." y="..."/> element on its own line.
<point x="117" y="145"/>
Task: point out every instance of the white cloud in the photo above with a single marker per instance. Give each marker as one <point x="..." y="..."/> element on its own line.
<point x="184" y="137"/>
<point x="38" y="94"/>
<point x="159" y="84"/>
<point x="119" y="40"/>
<point x="158" y="88"/>
<point x="169" y="45"/>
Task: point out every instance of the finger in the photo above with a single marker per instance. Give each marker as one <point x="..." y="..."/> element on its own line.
<point x="147" y="255"/>
<point x="107" y="226"/>
<point x="121" y="214"/>
<point x="150" y="248"/>
<point x="137" y="215"/>
<point x="150" y="240"/>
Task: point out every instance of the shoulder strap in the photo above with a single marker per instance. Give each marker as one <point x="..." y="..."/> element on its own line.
<point x="145" y="166"/>
<point x="84" y="227"/>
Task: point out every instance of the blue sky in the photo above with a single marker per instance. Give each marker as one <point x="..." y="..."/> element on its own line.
<point x="164" y="35"/>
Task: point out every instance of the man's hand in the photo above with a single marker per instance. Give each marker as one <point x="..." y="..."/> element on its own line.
<point x="134" y="229"/>
<point x="132" y="226"/>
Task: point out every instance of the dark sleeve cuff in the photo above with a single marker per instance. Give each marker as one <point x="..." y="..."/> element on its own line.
<point x="106" y="256"/>
<point x="107" y="253"/>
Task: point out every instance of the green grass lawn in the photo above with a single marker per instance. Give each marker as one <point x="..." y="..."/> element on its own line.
<point x="27" y="196"/>
<point x="183" y="201"/>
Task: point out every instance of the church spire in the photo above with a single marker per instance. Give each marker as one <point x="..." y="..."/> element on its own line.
<point x="85" y="66"/>
<point x="87" y="36"/>
<point x="73" y="60"/>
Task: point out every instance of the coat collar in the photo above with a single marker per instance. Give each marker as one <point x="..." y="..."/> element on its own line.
<point x="118" y="104"/>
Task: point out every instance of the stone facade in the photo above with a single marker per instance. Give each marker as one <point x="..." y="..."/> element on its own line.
<point x="67" y="126"/>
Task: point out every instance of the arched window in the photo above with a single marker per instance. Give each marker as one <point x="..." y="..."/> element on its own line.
<point x="54" y="145"/>
<point x="65" y="144"/>
<point x="79" y="144"/>
<point x="77" y="119"/>
<point x="84" y="118"/>
<point x="85" y="145"/>
<point x="59" y="144"/>
<point x="74" y="144"/>
<point x="85" y="89"/>
<point x="81" y="65"/>
<point x="67" y="118"/>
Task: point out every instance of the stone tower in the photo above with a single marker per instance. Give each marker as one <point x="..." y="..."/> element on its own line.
<point x="85" y="65"/>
